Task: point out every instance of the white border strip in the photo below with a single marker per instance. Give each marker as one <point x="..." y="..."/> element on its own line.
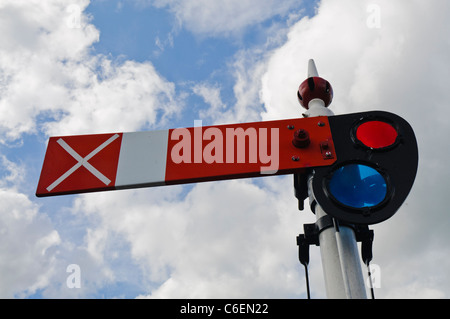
<point x="142" y="159"/>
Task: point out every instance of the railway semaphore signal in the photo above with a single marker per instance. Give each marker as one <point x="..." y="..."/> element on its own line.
<point x="357" y="169"/>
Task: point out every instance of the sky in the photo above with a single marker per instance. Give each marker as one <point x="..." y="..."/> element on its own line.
<point x="101" y="66"/>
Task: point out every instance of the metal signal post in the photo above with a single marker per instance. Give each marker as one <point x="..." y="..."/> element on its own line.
<point x="340" y="258"/>
<point x="375" y="164"/>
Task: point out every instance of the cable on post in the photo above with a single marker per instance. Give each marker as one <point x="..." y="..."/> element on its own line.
<point x="303" y="256"/>
<point x="372" y="293"/>
<point x="311" y="237"/>
<point x="365" y="236"/>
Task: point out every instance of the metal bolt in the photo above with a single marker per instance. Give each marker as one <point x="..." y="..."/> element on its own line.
<point x="301" y="138"/>
<point x="295" y="158"/>
<point x="301" y="133"/>
<point x="321" y="123"/>
<point x="328" y="154"/>
<point x="290" y="127"/>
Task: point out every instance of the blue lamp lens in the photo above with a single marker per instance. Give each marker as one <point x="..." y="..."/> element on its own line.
<point x="358" y="186"/>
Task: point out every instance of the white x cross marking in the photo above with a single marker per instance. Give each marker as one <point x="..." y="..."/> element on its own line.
<point x="83" y="162"/>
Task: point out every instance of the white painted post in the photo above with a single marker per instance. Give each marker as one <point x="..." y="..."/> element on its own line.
<point x="339" y="251"/>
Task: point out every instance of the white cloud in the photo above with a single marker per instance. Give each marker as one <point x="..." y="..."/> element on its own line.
<point x="209" y="18"/>
<point x="368" y="67"/>
<point x="247" y="67"/>
<point x="28" y="242"/>
<point x="34" y="253"/>
<point x="219" y="238"/>
<point x="35" y="42"/>
<point x="47" y="72"/>
<point x="211" y="96"/>
<point x="126" y="97"/>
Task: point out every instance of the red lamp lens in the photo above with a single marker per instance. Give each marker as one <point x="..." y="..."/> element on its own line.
<point x="376" y="134"/>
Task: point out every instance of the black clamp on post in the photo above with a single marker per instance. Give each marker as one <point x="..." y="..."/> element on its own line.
<point x="311" y="237"/>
